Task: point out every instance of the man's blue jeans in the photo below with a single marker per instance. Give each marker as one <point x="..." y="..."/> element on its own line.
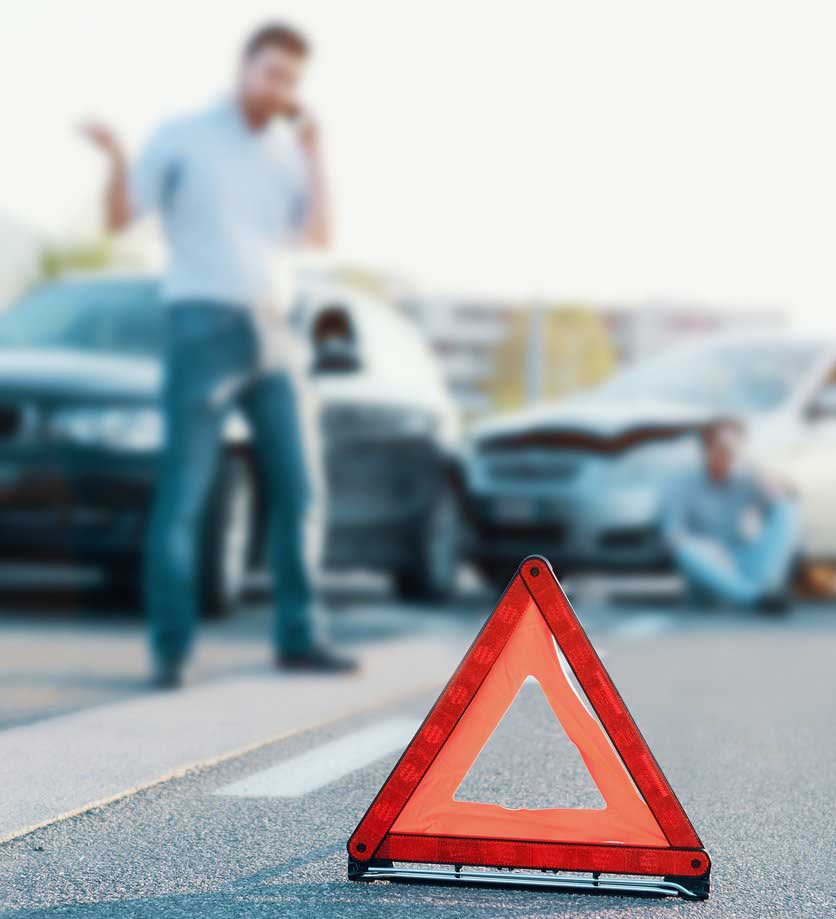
<point x="212" y="365"/>
<point x="742" y="575"/>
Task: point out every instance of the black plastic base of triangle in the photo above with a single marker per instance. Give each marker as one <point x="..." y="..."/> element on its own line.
<point x="688" y="888"/>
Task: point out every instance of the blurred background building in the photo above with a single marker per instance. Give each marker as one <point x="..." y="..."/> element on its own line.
<point x="501" y="355"/>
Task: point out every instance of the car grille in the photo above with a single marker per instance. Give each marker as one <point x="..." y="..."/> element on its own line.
<point x="628" y="538"/>
<point x="11" y="421"/>
<point x="531" y="466"/>
<point x="375" y="469"/>
<point x="551" y="534"/>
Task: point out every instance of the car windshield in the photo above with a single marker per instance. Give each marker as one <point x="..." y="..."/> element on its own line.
<point x="737" y="377"/>
<point x="111" y="317"/>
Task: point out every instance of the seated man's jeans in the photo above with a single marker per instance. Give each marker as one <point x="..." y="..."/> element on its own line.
<point x="212" y="366"/>
<point x="743" y="575"/>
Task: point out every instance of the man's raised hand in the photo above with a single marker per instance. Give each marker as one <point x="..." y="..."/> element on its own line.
<point x="117" y="199"/>
<point x="103" y="137"/>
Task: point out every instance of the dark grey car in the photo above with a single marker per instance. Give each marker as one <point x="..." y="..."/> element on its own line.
<point x="80" y="435"/>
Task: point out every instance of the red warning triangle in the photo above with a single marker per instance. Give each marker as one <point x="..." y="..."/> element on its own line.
<point x="643" y="828"/>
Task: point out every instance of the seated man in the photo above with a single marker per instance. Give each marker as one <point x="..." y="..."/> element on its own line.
<point x="732" y="535"/>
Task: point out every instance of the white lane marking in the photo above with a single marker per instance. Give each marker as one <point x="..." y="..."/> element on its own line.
<point x="646" y="626"/>
<point x="327" y="763"/>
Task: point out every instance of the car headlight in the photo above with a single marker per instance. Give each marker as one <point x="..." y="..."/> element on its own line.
<point x="126" y="428"/>
<point x="655" y="461"/>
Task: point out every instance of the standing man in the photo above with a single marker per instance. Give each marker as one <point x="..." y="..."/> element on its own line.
<point x="233" y="184"/>
<point x="732" y="535"/>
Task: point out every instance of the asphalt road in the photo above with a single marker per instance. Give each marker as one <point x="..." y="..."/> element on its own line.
<point x="740" y="712"/>
<point x="68" y="643"/>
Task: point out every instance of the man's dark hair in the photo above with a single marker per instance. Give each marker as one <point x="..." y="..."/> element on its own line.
<point x="279" y="35"/>
<point x="717" y="425"/>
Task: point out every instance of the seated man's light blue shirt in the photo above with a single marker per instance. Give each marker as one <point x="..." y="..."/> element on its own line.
<point x="229" y="198"/>
<point x="698" y="506"/>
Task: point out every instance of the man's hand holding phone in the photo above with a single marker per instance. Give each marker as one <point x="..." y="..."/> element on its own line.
<point x="307" y="129"/>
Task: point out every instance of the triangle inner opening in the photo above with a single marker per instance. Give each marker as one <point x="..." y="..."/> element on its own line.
<point x="509" y="769"/>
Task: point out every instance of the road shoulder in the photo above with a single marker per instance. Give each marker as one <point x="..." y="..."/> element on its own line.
<point x="63" y="766"/>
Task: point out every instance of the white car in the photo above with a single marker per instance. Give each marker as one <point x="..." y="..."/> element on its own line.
<point x="582" y="481"/>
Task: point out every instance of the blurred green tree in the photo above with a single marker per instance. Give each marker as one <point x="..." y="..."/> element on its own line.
<point x="56" y="260"/>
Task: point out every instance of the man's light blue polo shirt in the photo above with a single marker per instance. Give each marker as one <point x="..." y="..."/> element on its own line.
<point x="229" y="198"/>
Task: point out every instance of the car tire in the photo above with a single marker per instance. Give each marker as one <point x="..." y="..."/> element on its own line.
<point x="229" y="533"/>
<point x="434" y="571"/>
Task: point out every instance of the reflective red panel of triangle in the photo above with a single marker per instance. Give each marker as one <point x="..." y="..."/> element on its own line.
<point x="643" y="829"/>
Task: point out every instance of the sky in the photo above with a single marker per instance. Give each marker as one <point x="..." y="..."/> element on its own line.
<point x="587" y="150"/>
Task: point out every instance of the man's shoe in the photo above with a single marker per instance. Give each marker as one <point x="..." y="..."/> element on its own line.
<point x="318" y="659"/>
<point x="777" y="603"/>
<point x="168" y="674"/>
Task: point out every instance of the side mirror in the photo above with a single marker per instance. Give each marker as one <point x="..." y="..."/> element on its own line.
<point x="824" y="404"/>
<point x="334" y="342"/>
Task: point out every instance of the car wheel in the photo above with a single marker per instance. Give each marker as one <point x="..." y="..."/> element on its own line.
<point x="228" y="538"/>
<point x="432" y="576"/>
